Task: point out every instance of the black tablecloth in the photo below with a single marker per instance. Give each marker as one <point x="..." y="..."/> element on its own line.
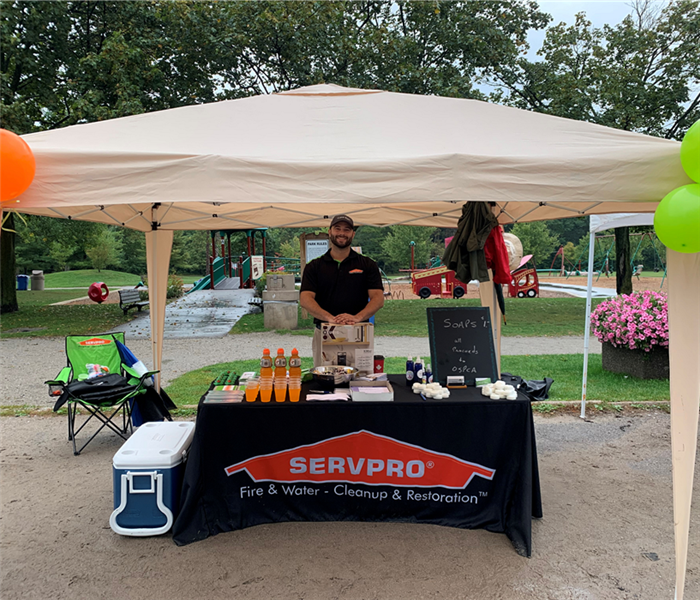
<point x="465" y="462"/>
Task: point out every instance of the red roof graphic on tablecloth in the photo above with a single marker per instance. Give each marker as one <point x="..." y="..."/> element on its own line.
<point x="363" y="457"/>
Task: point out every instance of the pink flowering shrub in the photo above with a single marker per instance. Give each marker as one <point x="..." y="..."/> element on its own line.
<point x="636" y="321"/>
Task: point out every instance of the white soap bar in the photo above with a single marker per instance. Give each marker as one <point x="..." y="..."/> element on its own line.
<point x="499" y="384"/>
<point x="495" y="397"/>
<point x="508" y="388"/>
<point x="512" y="396"/>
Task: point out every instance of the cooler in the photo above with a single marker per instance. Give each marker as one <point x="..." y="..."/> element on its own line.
<point x="147" y="474"/>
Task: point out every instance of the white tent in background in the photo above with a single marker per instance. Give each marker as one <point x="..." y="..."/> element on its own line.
<point x="601" y="223"/>
<point x="294" y="159"/>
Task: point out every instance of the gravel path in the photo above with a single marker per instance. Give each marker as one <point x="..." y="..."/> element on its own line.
<point x="25" y="363"/>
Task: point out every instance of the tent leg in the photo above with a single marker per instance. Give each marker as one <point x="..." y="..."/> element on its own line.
<point x="159" y="243"/>
<point x="684" y="360"/>
<point x="587" y="330"/>
<point x="487" y="292"/>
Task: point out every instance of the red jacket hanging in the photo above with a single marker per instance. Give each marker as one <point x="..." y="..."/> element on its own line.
<point x="497" y="256"/>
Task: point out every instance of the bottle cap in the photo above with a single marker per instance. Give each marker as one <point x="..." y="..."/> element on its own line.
<point x="280" y="350"/>
<point x="410" y="357"/>
<point x="266" y="351"/>
<point x="295" y="351"/>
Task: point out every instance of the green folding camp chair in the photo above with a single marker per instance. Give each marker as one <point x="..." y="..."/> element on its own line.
<point x="97" y="381"/>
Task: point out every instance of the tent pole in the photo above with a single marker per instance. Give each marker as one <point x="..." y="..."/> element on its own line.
<point x="684" y="362"/>
<point x="487" y="292"/>
<point x="159" y="245"/>
<point x="587" y="330"/>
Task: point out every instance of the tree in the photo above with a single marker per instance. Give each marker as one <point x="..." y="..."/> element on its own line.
<point x="641" y="75"/>
<point x="105" y="249"/>
<point x="413" y="47"/>
<point x="60" y="253"/>
<point x="536" y="240"/>
<point x="396" y="246"/>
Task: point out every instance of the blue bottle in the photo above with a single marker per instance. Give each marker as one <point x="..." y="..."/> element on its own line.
<point x="418" y="370"/>
<point x="409" y="371"/>
<point x="428" y="374"/>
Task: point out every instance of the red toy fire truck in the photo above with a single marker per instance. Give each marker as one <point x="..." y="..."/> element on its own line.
<point x="440" y="281"/>
<point x="524" y="282"/>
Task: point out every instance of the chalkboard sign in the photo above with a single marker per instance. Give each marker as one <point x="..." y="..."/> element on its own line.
<point x="461" y="343"/>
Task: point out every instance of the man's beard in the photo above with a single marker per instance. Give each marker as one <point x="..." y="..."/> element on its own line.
<point x="340" y="244"/>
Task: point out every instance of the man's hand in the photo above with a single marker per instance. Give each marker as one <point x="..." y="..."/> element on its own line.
<point x="345" y="319"/>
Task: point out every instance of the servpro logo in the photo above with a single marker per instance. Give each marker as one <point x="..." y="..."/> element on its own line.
<point x="95" y="342"/>
<point x="363" y="457"/>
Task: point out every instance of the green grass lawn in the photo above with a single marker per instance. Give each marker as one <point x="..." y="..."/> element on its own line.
<point x="40" y="319"/>
<point x="86" y="277"/>
<point x="566" y="371"/>
<point x="551" y="317"/>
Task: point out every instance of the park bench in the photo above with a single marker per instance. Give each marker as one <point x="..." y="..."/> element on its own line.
<point x="255" y="301"/>
<point x="131" y="299"/>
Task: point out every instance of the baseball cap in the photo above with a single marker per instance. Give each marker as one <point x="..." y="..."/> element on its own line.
<point x="344" y="218"/>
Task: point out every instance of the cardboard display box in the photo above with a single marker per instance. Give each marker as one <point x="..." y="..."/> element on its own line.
<point x="350" y="345"/>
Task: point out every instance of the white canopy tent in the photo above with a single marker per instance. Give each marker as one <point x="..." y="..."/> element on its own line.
<point x="601" y="223"/>
<point x="296" y="158"/>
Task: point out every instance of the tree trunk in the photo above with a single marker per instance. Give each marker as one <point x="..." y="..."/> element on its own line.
<point x="623" y="269"/>
<point x="8" y="286"/>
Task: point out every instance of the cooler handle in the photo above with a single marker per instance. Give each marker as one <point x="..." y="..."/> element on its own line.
<point x="157" y="483"/>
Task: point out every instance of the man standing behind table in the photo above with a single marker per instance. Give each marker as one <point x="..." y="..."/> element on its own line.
<point x="341" y="286"/>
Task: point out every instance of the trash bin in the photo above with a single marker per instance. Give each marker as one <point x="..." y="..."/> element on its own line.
<point x="22" y="282"/>
<point x="37" y="281"/>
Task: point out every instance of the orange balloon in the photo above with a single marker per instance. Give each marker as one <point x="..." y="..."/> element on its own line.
<point x="17" y="165"/>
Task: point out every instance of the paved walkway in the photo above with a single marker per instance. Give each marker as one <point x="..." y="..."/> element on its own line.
<point x="201" y="314"/>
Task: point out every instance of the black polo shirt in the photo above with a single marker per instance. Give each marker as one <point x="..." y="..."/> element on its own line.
<point x="341" y="287"/>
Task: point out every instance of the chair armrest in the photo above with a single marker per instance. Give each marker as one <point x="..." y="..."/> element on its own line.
<point x="141" y="378"/>
<point x="62" y="378"/>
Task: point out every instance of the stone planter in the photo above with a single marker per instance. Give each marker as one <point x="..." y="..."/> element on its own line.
<point x="637" y="363"/>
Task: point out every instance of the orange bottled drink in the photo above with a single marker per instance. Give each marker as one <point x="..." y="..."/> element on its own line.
<point x="280" y="376"/>
<point x="266" y="364"/>
<point x="294" y="364"/>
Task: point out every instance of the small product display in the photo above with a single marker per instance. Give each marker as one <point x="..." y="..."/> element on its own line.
<point x="231" y="394"/>
<point x="226" y="378"/>
<point x="418" y="370"/>
<point x="499" y="391"/>
<point x="409" y="371"/>
<point x="431" y="390"/>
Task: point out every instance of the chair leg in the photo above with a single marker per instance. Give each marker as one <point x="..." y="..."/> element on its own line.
<point x="106" y="419"/>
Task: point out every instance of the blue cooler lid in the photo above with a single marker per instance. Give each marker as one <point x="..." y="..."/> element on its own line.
<point x="155" y="445"/>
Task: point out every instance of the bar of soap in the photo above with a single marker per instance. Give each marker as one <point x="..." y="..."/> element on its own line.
<point x="513" y="396"/>
<point x="495" y="397"/>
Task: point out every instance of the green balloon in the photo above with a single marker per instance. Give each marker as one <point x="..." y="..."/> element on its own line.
<point x="677" y="219"/>
<point x="690" y="152"/>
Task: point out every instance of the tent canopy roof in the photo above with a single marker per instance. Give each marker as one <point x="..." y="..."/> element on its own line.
<point x="298" y="157"/>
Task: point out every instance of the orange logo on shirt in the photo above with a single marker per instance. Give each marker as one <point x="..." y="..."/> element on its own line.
<point x="356" y="271"/>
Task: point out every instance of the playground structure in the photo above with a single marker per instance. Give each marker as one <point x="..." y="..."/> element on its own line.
<point x="524" y="282"/>
<point x="229" y="271"/>
<point x="602" y="265"/>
